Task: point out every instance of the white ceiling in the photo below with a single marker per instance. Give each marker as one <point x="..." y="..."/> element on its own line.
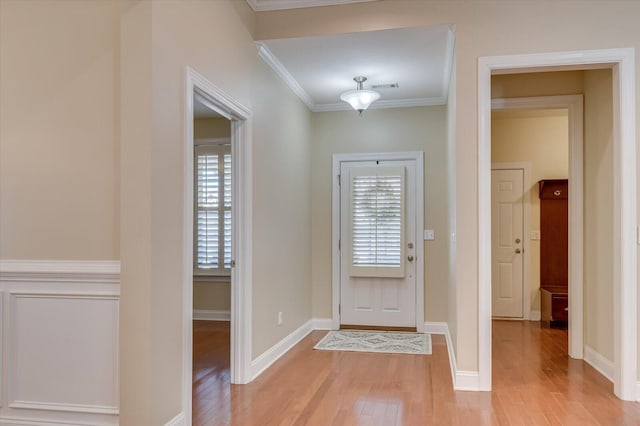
<point x="318" y="69"/>
<point x="264" y="5"/>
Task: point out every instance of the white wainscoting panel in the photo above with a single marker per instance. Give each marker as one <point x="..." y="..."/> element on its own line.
<point x="60" y="342"/>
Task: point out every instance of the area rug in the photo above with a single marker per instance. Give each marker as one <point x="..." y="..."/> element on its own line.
<point x="376" y="341"/>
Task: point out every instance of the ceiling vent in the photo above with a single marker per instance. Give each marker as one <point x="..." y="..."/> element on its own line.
<point x="385" y="86"/>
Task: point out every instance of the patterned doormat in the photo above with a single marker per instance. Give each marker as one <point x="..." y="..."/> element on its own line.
<point x="376" y="341"/>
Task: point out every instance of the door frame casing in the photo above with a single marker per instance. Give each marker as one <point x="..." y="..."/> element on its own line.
<point x="337" y="160"/>
<point x="241" y="276"/>
<point x="622" y="63"/>
<point x="526" y="231"/>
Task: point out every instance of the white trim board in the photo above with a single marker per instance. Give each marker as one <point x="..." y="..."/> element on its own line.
<point x="462" y="380"/>
<point x="599" y="362"/>
<point x="337" y="159"/>
<point x="622" y="63"/>
<point x="275" y="352"/>
<point x="95" y="271"/>
<point x="211" y="315"/>
<point x="178" y="420"/>
<point x="322" y="323"/>
<point x="241" y="275"/>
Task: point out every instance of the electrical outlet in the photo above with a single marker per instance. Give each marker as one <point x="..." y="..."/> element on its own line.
<point x="279" y="318"/>
<point x="535" y="235"/>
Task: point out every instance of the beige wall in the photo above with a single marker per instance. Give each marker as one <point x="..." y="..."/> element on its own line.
<point x="537" y="84"/>
<point x="540" y="138"/>
<point x="598" y="212"/>
<point x="382" y="130"/>
<point x="211" y="128"/>
<point x="483" y="28"/>
<point x="281" y="210"/>
<point x="59" y="178"/>
<point x="208" y="295"/>
<point x="168" y="36"/>
<point x="211" y="295"/>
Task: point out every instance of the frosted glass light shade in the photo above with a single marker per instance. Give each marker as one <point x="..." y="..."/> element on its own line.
<point x="360" y="99"/>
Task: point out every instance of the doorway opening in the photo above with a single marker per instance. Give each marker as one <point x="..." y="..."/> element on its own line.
<point x="217" y="219"/>
<point x="621" y="64"/>
<point x="540" y="139"/>
<point x="212" y="236"/>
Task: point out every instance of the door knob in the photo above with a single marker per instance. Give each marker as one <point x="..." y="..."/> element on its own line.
<point x="517" y="240"/>
<point x="410" y="258"/>
<point x="517" y="250"/>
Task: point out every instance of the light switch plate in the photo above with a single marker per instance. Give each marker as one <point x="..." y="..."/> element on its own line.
<point x="535" y="235"/>
<point x="429" y="234"/>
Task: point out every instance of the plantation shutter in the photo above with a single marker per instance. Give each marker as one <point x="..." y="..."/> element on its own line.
<point x="377" y="221"/>
<point x="213" y="210"/>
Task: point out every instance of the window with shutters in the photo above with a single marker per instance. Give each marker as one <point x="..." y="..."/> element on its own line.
<point x="377" y="221"/>
<point x="212" y="215"/>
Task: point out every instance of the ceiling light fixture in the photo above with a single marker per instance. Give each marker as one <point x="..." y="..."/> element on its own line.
<point x="360" y="99"/>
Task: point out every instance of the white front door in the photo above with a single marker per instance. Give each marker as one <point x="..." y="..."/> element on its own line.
<point x="507" y="229"/>
<point x="377" y="243"/>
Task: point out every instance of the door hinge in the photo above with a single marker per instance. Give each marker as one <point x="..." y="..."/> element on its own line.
<point x="339" y="182"/>
<point x="339" y="244"/>
<point x="339" y="309"/>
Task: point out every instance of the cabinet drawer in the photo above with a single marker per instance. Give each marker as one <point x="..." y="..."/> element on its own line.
<point x="553" y="189"/>
<point x="559" y="304"/>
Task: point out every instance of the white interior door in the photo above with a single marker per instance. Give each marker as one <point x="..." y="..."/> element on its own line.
<point x="377" y="243"/>
<point x="507" y="229"/>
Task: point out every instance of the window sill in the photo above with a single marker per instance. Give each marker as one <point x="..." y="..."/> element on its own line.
<point x="212" y="278"/>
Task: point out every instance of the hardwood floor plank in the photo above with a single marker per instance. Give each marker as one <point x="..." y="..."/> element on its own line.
<point x="534" y="383"/>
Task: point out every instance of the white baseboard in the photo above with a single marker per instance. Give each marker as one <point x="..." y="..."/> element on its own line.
<point x="322" y="323"/>
<point x="211" y="315"/>
<point x="638" y="391"/>
<point x="274" y="353"/>
<point x="599" y="362"/>
<point x="179" y="420"/>
<point x="462" y="380"/>
<point x="437" y="328"/>
<point x="534" y="316"/>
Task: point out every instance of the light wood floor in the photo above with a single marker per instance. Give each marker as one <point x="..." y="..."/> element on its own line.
<point x="534" y="383"/>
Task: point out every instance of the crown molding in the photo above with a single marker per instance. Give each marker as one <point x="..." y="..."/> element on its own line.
<point x="267" y="5"/>
<point x="282" y="72"/>
<point x="448" y="65"/>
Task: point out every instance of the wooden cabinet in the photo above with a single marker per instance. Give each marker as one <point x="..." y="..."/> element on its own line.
<point x="554" y="251"/>
<point x="554" y="306"/>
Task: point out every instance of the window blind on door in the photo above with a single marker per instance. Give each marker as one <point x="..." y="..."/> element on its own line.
<point x="377" y="221"/>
